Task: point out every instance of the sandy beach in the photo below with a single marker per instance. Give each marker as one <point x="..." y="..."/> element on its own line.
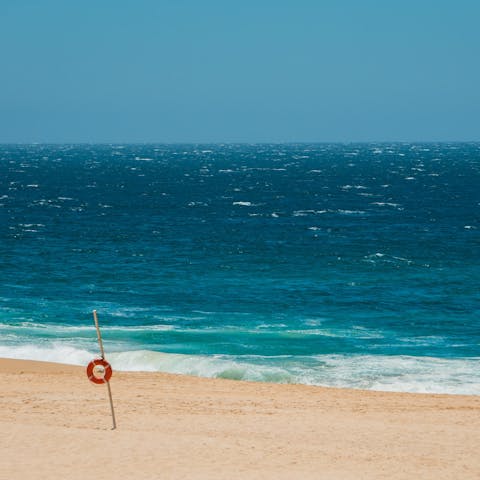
<point x="55" y="424"/>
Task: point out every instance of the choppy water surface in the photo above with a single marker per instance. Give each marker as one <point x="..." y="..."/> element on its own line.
<point x="346" y="265"/>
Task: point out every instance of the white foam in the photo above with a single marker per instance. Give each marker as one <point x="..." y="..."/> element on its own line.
<point x="304" y="213"/>
<point x="409" y="374"/>
<point x="356" y="187"/>
<point x="386" y="258"/>
<point x="372" y="372"/>
<point x="68" y="329"/>
<point x="55" y="353"/>
<point x="350" y="212"/>
<point x="385" y="204"/>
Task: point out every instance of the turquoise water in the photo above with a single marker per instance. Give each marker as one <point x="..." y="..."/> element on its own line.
<point x="328" y="264"/>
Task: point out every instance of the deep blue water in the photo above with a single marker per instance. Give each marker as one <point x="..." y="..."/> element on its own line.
<point x="351" y="265"/>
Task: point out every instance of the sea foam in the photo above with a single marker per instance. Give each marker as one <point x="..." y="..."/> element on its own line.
<point x="370" y="372"/>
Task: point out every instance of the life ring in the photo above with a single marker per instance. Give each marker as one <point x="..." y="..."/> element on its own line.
<point x="99" y="371"/>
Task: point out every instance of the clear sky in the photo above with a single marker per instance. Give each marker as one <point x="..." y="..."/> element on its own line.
<point x="239" y="71"/>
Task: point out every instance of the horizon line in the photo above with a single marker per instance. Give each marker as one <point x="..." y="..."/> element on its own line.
<point x="320" y="142"/>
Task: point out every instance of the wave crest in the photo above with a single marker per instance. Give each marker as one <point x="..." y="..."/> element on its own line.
<point x="370" y="372"/>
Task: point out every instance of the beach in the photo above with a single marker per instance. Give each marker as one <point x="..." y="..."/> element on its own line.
<point x="274" y="209"/>
<point x="54" y="423"/>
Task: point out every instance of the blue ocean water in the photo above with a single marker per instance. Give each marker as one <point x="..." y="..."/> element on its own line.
<point x="352" y="265"/>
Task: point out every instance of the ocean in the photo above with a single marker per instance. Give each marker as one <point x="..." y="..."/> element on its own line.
<point x="346" y="265"/>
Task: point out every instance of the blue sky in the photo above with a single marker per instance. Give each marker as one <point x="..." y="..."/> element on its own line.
<point x="239" y="71"/>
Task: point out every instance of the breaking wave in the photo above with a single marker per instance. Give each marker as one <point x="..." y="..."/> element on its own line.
<point x="370" y="372"/>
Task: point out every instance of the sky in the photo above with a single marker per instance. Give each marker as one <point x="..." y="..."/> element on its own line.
<point x="174" y="71"/>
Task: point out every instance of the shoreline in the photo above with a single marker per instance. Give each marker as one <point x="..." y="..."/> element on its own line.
<point x="22" y="366"/>
<point x="52" y="419"/>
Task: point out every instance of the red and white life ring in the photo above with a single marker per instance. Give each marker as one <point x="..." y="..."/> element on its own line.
<point x="99" y="371"/>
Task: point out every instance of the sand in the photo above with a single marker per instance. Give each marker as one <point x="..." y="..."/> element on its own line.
<point x="55" y="424"/>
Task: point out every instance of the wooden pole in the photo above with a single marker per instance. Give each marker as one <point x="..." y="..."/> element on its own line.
<point x="114" y="426"/>
<point x="102" y="352"/>
<point x="99" y="335"/>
